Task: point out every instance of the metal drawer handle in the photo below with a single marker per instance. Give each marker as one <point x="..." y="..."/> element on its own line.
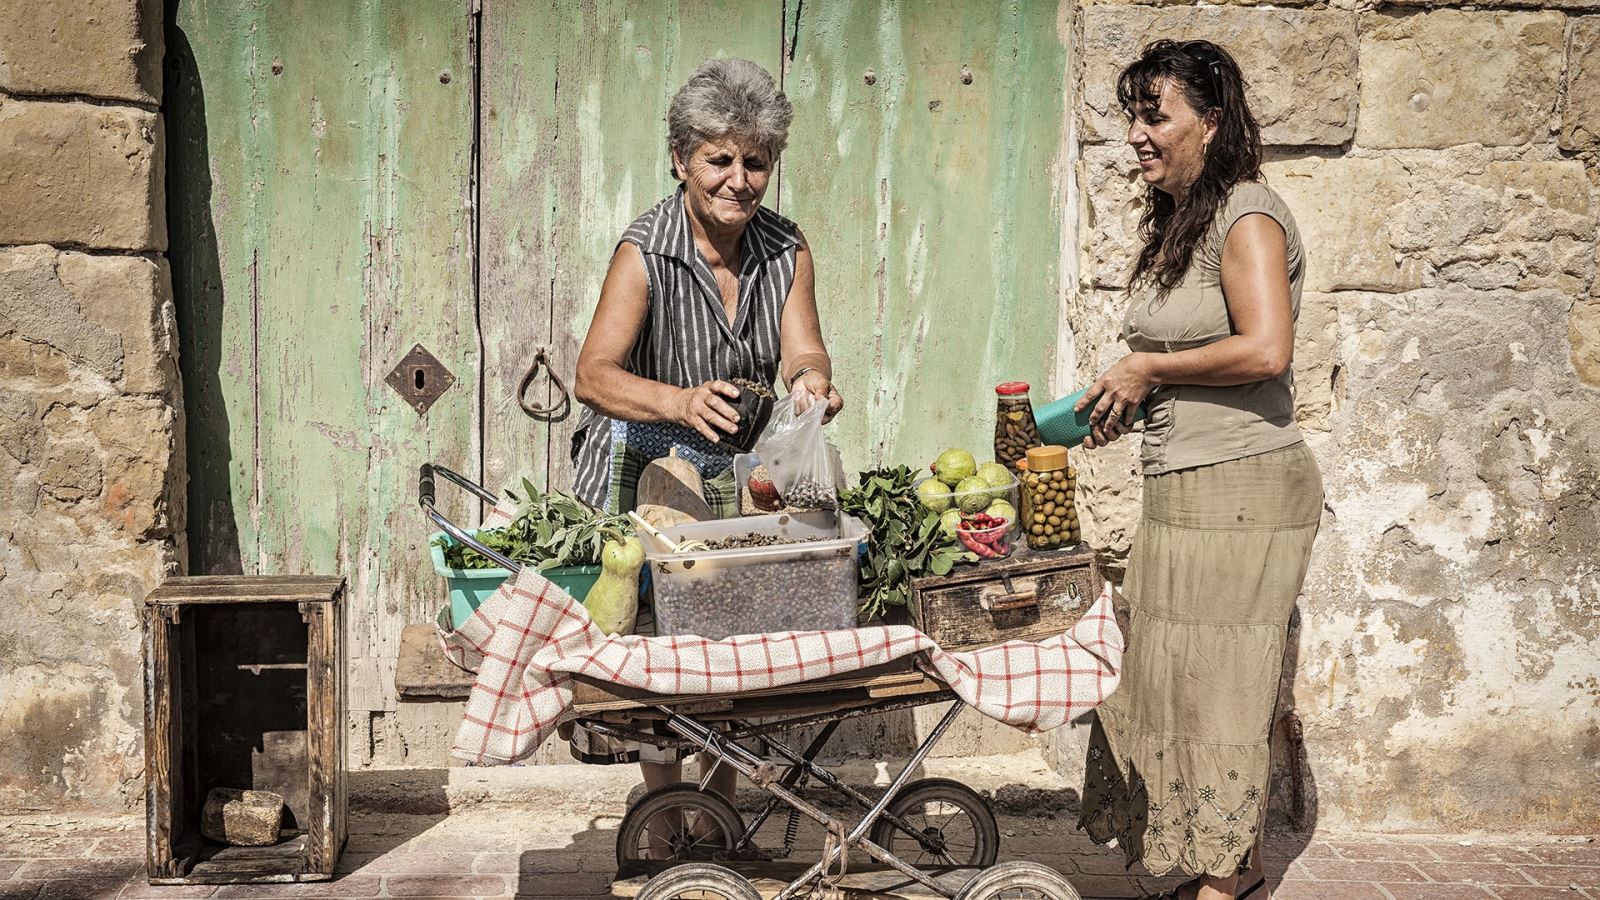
<point x="1011" y="600"/>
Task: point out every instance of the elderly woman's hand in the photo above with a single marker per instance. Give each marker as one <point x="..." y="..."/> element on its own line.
<point x="817" y="385"/>
<point x="1115" y="396"/>
<point x="703" y="409"/>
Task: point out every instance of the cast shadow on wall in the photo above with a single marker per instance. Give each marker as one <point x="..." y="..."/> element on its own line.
<point x="198" y="294"/>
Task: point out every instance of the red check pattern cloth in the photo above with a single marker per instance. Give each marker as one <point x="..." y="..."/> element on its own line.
<point x="529" y="639"/>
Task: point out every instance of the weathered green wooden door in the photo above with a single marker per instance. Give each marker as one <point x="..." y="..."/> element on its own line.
<point x="319" y="170"/>
<point x="922" y="166"/>
<point x="323" y="160"/>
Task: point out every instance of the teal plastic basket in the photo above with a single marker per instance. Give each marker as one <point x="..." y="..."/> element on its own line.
<point x="470" y="587"/>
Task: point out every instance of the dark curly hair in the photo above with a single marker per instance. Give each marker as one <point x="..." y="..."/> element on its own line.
<point x="1212" y="83"/>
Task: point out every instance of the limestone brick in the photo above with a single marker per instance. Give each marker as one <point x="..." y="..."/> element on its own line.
<point x="107" y="315"/>
<point x="1316" y="361"/>
<point x="1395" y="224"/>
<point x="1583" y="338"/>
<point x="1571" y="6"/>
<point x="110" y="49"/>
<point x="1580" y="112"/>
<point x="130" y="297"/>
<point x="81" y="175"/>
<point x="1300" y="64"/>
<point x="1438" y="79"/>
<point x="1109" y="179"/>
<point x="137" y="439"/>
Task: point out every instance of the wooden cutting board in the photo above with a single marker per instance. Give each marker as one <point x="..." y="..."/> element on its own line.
<point x="674" y="483"/>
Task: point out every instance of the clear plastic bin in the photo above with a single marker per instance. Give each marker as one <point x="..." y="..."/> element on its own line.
<point x="752" y="590"/>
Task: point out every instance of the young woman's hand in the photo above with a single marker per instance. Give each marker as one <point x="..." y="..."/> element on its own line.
<point x="703" y="409"/>
<point x="1114" y="398"/>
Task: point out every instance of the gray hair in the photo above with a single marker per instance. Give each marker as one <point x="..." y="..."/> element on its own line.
<point x="729" y="97"/>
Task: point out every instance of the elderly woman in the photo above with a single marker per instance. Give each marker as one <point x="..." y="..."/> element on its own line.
<point x="1178" y="759"/>
<point x="705" y="287"/>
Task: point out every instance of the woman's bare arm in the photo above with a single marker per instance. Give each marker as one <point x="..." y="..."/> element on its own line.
<point x="1255" y="286"/>
<point x="605" y="385"/>
<point x="800" y="335"/>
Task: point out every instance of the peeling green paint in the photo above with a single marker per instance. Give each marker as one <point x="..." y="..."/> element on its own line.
<point x="321" y="168"/>
<point x="929" y="202"/>
<point x="335" y="234"/>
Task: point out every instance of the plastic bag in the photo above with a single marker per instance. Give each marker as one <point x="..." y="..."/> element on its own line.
<point x="805" y="467"/>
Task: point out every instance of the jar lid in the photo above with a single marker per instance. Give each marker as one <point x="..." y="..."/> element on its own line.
<point x="1047" y="458"/>
<point x="1011" y="388"/>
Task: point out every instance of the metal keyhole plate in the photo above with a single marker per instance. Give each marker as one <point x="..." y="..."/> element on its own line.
<point x="420" y="378"/>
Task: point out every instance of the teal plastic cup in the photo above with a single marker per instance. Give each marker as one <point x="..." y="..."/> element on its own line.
<point x="1060" y="424"/>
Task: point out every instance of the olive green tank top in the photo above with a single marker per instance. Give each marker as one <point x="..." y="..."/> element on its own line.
<point x="1191" y="425"/>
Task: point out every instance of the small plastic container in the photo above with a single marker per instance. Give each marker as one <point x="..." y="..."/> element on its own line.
<point x="1015" y="430"/>
<point x="810" y="586"/>
<point x="1049" y="512"/>
<point x="997" y="539"/>
<point x="970" y="502"/>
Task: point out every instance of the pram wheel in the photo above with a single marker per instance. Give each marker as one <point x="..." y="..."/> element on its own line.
<point x="678" y="823"/>
<point x="1018" y="880"/>
<point x="699" y="881"/>
<point x="954" y="826"/>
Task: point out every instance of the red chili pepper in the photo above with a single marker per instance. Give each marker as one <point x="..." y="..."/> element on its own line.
<point x="983" y="550"/>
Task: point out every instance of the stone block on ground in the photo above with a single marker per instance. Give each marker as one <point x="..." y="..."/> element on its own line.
<point x="1580" y="113"/>
<point x="1439" y="79"/>
<point x="109" y="49"/>
<point x="243" y="818"/>
<point x="1300" y="65"/>
<point x="81" y="175"/>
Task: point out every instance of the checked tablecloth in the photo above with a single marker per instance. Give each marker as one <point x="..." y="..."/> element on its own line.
<point x="528" y="639"/>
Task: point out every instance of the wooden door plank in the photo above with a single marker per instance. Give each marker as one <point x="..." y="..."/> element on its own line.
<point x="212" y="166"/>
<point x="933" y="207"/>
<point x="575" y="97"/>
<point x="344" y="217"/>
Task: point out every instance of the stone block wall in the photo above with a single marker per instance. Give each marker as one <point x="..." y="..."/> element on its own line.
<point x="91" y="487"/>
<point x="1442" y="166"/>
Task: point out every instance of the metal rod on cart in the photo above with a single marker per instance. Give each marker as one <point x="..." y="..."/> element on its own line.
<point x="425" y="500"/>
<point x="830" y="780"/>
<point x="856" y="835"/>
<point x="746" y="763"/>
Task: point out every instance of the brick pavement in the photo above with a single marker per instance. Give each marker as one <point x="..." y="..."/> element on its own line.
<point x="531" y="851"/>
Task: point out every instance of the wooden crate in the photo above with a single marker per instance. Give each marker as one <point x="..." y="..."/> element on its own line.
<point x="244" y="688"/>
<point x="1026" y="596"/>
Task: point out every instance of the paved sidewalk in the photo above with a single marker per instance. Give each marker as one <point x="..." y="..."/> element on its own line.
<point x="523" y="850"/>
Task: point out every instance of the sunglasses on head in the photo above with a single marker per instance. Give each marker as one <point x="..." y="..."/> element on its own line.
<point x="1206" y="55"/>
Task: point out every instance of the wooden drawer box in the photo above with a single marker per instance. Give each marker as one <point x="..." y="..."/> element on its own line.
<point x="1027" y="596"/>
<point x="244" y="688"/>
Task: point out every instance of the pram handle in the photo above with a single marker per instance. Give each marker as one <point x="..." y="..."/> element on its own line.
<point x="425" y="500"/>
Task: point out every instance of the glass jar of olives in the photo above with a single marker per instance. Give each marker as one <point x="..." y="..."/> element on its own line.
<point x="1014" y="427"/>
<point x="1049" y="514"/>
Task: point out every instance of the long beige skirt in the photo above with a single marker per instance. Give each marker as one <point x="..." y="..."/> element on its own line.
<point x="1178" y="762"/>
